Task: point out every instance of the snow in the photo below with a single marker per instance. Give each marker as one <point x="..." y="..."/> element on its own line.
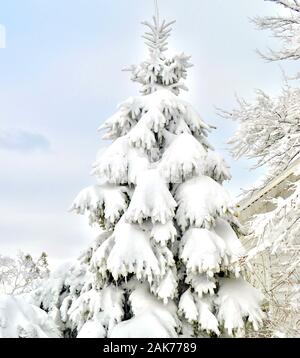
<point x="197" y="310"/>
<point x="153" y="118"/>
<point x="91" y="329"/>
<point x="98" y="310"/>
<point x="146" y="325"/>
<point x="183" y="159"/>
<point x="141" y="137"/>
<point x="216" y="167"/>
<point x="202" y="251"/>
<point x="158" y="269"/>
<point x="187" y="306"/>
<point x="163" y="233"/>
<point x="75" y="310"/>
<point x="113" y="163"/>
<point x="158" y="71"/>
<point x="152" y="121"/>
<point x="128" y="250"/>
<point x="237" y="299"/>
<point x="112" y="305"/>
<point x="119" y="124"/>
<point x="151" y="112"/>
<point x="19" y="319"/>
<point x="151" y="318"/>
<point x="151" y="200"/>
<point x="202" y="284"/>
<point x="137" y="164"/>
<point x="234" y="247"/>
<point x="167" y="287"/>
<point x="120" y="164"/>
<point x="106" y="202"/>
<point x="207" y="319"/>
<point x="142" y="118"/>
<point x="194" y="121"/>
<point x="60" y="290"/>
<point x="49" y="292"/>
<point x="195" y="204"/>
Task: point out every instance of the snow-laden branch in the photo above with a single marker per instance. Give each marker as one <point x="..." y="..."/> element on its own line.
<point x="21" y="274"/>
<point x="284" y="27"/>
<point x="269" y="130"/>
<point x="289" y="4"/>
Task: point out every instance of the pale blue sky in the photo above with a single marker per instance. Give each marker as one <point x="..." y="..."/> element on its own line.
<point x="60" y="77"/>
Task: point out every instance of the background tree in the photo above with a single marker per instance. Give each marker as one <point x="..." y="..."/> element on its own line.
<point x="21" y="274"/>
<point x="284" y="27"/>
<point x="269" y="134"/>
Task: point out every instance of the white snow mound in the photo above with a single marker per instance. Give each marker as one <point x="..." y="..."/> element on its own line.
<point x="19" y="319"/>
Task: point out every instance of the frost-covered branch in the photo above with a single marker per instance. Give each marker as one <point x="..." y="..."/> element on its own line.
<point x="284" y="27"/>
<point x="289" y="4"/>
<point x="269" y="134"/>
<point x="18" y="275"/>
<point x="269" y="130"/>
<point x="276" y="234"/>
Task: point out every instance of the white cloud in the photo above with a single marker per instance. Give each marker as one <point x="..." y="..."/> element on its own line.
<point x="23" y="140"/>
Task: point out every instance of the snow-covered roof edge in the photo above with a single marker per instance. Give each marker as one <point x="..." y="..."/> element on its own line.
<point x="255" y="195"/>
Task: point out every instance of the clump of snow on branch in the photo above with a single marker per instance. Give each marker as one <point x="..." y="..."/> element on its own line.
<point x="103" y="203"/>
<point x="237" y="300"/>
<point x="177" y="164"/>
<point x="199" y="310"/>
<point x="151" y="200"/>
<point x="151" y="318"/>
<point x="202" y="251"/>
<point x="128" y="250"/>
<point x="195" y="207"/>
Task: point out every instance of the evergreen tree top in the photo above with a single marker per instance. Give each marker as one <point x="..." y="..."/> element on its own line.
<point x="160" y="71"/>
<point x="157" y="36"/>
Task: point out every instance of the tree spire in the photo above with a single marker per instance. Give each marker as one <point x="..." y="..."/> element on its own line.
<point x="156" y="10"/>
<point x="157" y="33"/>
<point x="160" y="71"/>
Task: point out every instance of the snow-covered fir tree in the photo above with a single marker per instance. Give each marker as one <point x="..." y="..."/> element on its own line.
<point x="269" y="134"/>
<point x="168" y="261"/>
